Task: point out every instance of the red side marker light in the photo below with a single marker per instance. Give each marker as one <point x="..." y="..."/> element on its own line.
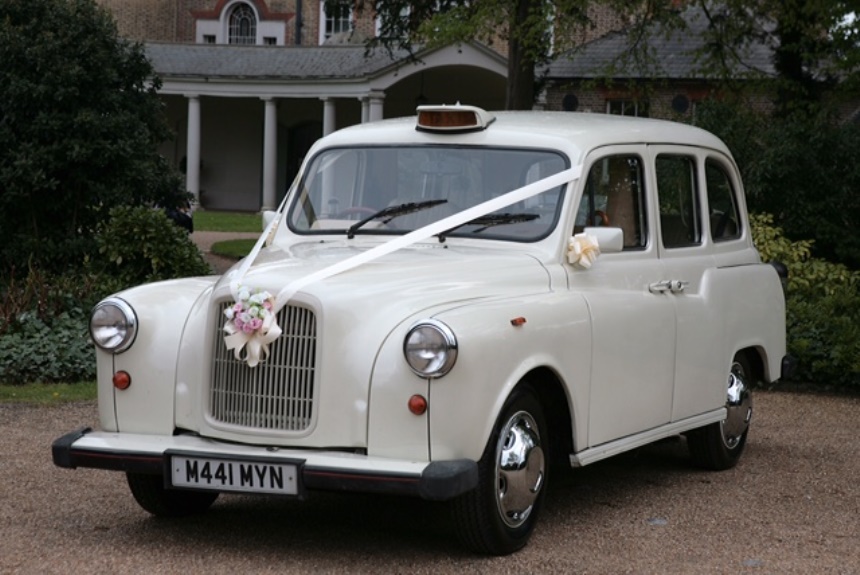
<point x="121" y="380"/>
<point x="518" y="321"/>
<point x="417" y="405"/>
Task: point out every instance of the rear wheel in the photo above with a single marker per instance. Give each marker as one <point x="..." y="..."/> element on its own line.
<point x="499" y="515"/>
<point x="149" y="492"/>
<point x="719" y="445"/>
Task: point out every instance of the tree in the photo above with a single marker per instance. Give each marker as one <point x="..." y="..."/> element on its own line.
<point x="79" y="124"/>
<point x="532" y="29"/>
<point x="815" y="43"/>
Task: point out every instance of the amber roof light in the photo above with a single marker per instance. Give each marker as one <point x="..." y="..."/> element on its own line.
<point x="452" y="118"/>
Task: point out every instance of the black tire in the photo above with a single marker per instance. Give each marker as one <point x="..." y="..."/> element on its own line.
<point x="719" y="446"/>
<point x="492" y="518"/>
<point x="149" y="492"/>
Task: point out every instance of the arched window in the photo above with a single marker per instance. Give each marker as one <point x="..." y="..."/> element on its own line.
<point x="242" y="25"/>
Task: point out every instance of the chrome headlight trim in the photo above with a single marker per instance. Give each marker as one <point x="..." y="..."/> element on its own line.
<point x="113" y="325"/>
<point x="430" y="348"/>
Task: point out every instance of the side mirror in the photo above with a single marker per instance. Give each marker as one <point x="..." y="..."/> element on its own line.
<point x="609" y="239"/>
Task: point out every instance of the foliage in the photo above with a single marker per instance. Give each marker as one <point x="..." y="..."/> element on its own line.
<point x="804" y="35"/>
<point x="530" y="29"/>
<point x="801" y="169"/>
<point x="139" y="245"/>
<point x="36" y="349"/>
<point x="80" y="122"/>
<point x="822" y="308"/>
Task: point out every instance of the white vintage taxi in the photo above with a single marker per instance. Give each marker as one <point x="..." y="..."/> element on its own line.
<point x="443" y="307"/>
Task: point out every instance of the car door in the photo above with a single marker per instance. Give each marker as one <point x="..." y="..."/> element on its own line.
<point x="633" y="329"/>
<point x="685" y="241"/>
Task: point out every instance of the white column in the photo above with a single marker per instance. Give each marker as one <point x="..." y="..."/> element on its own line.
<point x="376" y="99"/>
<point x="192" y="148"/>
<point x="365" y="110"/>
<point x="270" y="154"/>
<point x="328" y="116"/>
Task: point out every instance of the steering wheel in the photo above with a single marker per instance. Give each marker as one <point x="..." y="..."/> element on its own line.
<point x="355" y="211"/>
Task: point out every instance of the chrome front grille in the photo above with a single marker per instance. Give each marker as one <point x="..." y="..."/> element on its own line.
<point x="277" y="394"/>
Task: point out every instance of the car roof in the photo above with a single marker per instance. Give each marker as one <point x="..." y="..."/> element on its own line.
<point x="576" y="132"/>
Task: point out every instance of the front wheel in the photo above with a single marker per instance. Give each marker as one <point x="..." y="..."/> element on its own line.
<point x="499" y="515"/>
<point x="149" y="492"/>
<point x="719" y="445"/>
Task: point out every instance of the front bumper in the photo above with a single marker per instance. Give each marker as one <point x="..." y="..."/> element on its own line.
<point x="320" y="470"/>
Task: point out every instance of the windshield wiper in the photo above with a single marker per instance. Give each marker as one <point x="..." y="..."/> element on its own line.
<point x="491" y="220"/>
<point x="392" y="212"/>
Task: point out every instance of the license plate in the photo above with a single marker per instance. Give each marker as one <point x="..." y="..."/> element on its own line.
<point x="241" y="475"/>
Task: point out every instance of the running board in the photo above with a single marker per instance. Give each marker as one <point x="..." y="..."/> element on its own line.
<point x="612" y="448"/>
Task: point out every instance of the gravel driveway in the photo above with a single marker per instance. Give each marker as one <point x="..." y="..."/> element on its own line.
<point x="791" y="506"/>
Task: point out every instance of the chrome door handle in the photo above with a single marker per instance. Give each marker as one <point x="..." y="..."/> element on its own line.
<point x="674" y="286"/>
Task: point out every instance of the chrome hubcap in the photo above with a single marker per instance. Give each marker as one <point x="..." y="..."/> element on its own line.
<point x="738" y="407"/>
<point x="520" y="469"/>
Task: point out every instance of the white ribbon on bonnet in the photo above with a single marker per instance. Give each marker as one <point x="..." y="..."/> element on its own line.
<point x="259" y="340"/>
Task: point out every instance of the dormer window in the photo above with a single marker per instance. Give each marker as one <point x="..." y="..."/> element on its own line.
<point x="243" y="25"/>
<point x="241" y="22"/>
<point x="334" y="19"/>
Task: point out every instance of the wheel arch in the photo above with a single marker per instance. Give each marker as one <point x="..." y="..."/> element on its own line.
<point x="757" y="358"/>
<point x="557" y="411"/>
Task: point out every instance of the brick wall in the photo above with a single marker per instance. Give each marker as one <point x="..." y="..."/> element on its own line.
<point x="145" y="19"/>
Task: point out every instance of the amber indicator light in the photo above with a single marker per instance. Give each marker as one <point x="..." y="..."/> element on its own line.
<point x="447" y="119"/>
<point x="417" y="404"/>
<point x="121" y="380"/>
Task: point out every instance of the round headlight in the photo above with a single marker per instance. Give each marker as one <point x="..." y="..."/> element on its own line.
<point x="430" y="348"/>
<point x="113" y="325"/>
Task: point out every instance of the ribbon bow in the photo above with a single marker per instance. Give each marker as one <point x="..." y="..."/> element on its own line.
<point x="582" y="250"/>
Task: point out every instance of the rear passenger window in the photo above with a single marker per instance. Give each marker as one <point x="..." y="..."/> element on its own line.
<point x="615" y="196"/>
<point x="680" y="220"/>
<point x="722" y="203"/>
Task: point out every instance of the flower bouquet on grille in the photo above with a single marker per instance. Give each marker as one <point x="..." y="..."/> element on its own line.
<point x="251" y="325"/>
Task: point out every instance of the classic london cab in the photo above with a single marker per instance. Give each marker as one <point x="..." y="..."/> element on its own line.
<point x="443" y="306"/>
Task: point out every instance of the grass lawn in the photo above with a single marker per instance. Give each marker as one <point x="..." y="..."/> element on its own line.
<point x="47" y="394"/>
<point x="236" y="249"/>
<point x="214" y="221"/>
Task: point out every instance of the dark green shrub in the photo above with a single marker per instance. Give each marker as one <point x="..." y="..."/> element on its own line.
<point x="822" y="309"/>
<point x="139" y="245"/>
<point x="80" y="126"/>
<point x="33" y="349"/>
<point x="803" y="169"/>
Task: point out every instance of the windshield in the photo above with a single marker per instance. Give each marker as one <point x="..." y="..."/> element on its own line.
<point x="397" y="189"/>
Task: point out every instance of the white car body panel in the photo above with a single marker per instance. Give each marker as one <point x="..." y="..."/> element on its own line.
<point x="633" y="362"/>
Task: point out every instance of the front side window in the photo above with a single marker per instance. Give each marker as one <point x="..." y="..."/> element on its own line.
<point x="397" y="189"/>
<point x="680" y="222"/>
<point x="242" y="25"/>
<point x="722" y="203"/>
<point x="615" y="196"/>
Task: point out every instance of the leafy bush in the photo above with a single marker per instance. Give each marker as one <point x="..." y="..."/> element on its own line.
<point x="80" y="126"/>
<point x="43" y="326"/>
<point x="43" y="317"/>
<point x="33" y="349"/>
<point x="803" y="169"/>
<point x="822" y="309"/>
<point x="139" y="245"/>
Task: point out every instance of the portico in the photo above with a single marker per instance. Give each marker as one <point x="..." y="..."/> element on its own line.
<point x="244" y="117"/>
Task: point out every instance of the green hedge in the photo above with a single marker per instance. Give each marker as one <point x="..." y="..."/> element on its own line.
<point x="822" y="309"/>
<point x="43" y="317"/>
